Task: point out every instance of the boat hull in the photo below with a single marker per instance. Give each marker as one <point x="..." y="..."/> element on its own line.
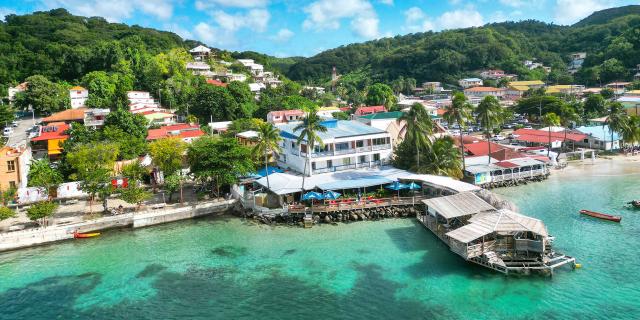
<point x="85" y="235"/>
<point x="602" y="216"/>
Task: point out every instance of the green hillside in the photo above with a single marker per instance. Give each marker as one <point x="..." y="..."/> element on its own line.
<point x="62" y="46"/>
<point x="611" y="39"/>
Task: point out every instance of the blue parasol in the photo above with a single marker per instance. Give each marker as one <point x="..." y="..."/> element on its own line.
<point x="312" y="195"/>
<point x="414" y="186"/>
<point x="331" y="195"/>
<point x="397" y="186"/>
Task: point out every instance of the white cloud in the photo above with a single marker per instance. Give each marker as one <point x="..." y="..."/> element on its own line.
<point x="178" y="29"/>
<point x="570" y="11"/>
<point x="283" y="35"/>
<point x="5" y="12"/>
<point x="214" y="36"/>
<point x="255" y="19"/>
<point x="114" y="10"/>
<point x="387" y="2"/>
<point x="417" y="21"/>
<point x="498" y="16"/>
<point x="327" y="14"/>
<point x="463" y="18"/>
<point x="206" y="4"/>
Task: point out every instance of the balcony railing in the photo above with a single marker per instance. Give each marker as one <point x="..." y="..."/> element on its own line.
<point x="335" y="168"/>
<point x="363" y="149"/>
<point x="344" y="151"/>
<point x="381" y="147"/>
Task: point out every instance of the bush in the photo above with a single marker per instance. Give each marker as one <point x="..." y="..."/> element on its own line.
<point x="6" y="213"/>
<point x="41" y="211"/>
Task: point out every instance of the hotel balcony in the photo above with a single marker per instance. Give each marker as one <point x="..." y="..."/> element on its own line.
<point x="332" y="152"/>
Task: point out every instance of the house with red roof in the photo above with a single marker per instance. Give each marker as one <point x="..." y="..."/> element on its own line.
<point x="481" y="92"/>
<point x="49" y="141"/>
<point x="503" y="165"/>
<point x="185" y="131"/>
<point x="534" y="137"/>
<point x="216" y="83"/>
<point x="363" y="111"/>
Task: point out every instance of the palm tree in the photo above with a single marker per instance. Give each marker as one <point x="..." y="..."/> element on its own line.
<point x="550" y="119"/>
<point x="459" y="112"/>
<point x="419" y="128"/>
<point x="489" y="115"/>
<point x="310" y="126"/>
<point x="567" y="115"/>
<point x="268" y="143"/>
<point x="631" y="131"/>
<point x="444" y="158"/>
<point x="616" y="120"/>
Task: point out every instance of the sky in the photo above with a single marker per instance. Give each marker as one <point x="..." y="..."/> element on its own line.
<point x="306" y="27"/>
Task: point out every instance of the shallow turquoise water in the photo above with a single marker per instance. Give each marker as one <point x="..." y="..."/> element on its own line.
<point x="230" y="269"/>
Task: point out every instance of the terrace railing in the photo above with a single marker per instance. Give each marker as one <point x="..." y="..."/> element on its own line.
<point x="354" y="205"/>
<point x="381" y="147"/>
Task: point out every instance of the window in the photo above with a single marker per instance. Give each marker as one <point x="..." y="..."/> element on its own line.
<point x="293" y="145"/>
<point x="329" y="163"/>
<point x="342" y="146"/>
<point x="379" y="141"/>
<point x="359" y="144"/>
<point x="12" y="185"/>
<point x="346" y="161"/>
<point x="11" y="165"/>
<point x="362" y="159"/>
<point x="313" y="165"/>
<point x="376" y="157"/>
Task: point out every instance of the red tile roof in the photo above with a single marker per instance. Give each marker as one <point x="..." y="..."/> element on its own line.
<point x="66" y="115"/>
<point x="542" y="136"/>
<point x="52" y="131"/>
<point x="482" y="148"/>
<point x="370" y="109"/>
<point x="216" y="83"/>
<point x="484" y="89"/>
<point x="186" y="131"/>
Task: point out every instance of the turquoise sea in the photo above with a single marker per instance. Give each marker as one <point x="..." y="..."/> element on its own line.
<point x="227" y="268"/>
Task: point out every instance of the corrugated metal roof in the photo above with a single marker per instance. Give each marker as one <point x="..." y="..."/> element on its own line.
<point x="503" y="220"/>
<point x="341" y="129"/>
<point x="458" y="205"/>
<point x="601" y="133"/>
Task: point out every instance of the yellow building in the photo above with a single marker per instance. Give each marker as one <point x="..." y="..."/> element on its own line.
<point x="14" y="164"/>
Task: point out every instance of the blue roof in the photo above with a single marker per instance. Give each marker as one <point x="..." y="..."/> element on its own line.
<point x="601" y="133"/>
<point x="335" y="129"/>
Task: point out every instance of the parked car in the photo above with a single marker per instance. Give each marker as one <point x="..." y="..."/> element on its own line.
<point x="528" y="127"/>
<point x="14" y="124"/>
<point x="513" y="136"/>
<point x="7" y="131"/>
<point x="498" y="138"/>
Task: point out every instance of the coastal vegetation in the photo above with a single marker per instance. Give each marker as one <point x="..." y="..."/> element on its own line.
<point x="268" y="144"/>
<point x="608" y="37"/>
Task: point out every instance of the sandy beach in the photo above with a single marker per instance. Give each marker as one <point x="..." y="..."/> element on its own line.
<point x="601" y="166"/>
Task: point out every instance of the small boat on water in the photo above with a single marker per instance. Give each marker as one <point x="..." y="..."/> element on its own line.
<point x="602" y="216"/>
<point x="78" y="235"/>
<point x="635" y="203"/>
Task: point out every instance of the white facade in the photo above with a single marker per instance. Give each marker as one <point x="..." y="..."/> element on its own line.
<point x="347" y="145"/>
<point x="78" y="96"/>
<point x="470" y="82"/>
<point x="12" y="91"/>
<point x="142" y="101"/>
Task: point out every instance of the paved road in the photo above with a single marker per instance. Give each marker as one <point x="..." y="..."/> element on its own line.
<point x="19" y="134"/>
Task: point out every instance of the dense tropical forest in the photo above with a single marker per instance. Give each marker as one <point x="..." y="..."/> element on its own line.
<point x="610" y="37"/>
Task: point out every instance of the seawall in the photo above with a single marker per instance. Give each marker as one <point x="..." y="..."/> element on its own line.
<point x="40" y="236"/>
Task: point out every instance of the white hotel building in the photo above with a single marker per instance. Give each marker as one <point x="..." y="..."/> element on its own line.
<point x="347" y="145"/>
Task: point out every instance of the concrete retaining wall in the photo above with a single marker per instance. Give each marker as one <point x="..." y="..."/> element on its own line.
<point x="161" y="216"/>
<point x="33" y="237"/>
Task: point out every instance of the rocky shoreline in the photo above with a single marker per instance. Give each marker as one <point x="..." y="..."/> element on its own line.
<point x="342" y="216"/>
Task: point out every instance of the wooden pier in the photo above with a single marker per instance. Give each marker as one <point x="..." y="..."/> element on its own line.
<point x="356" y="205"/>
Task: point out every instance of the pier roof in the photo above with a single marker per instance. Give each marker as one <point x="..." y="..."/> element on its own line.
<point x="502" y="220"/>
<point x="441" y="182"/>
<point x="458" y="205"/>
